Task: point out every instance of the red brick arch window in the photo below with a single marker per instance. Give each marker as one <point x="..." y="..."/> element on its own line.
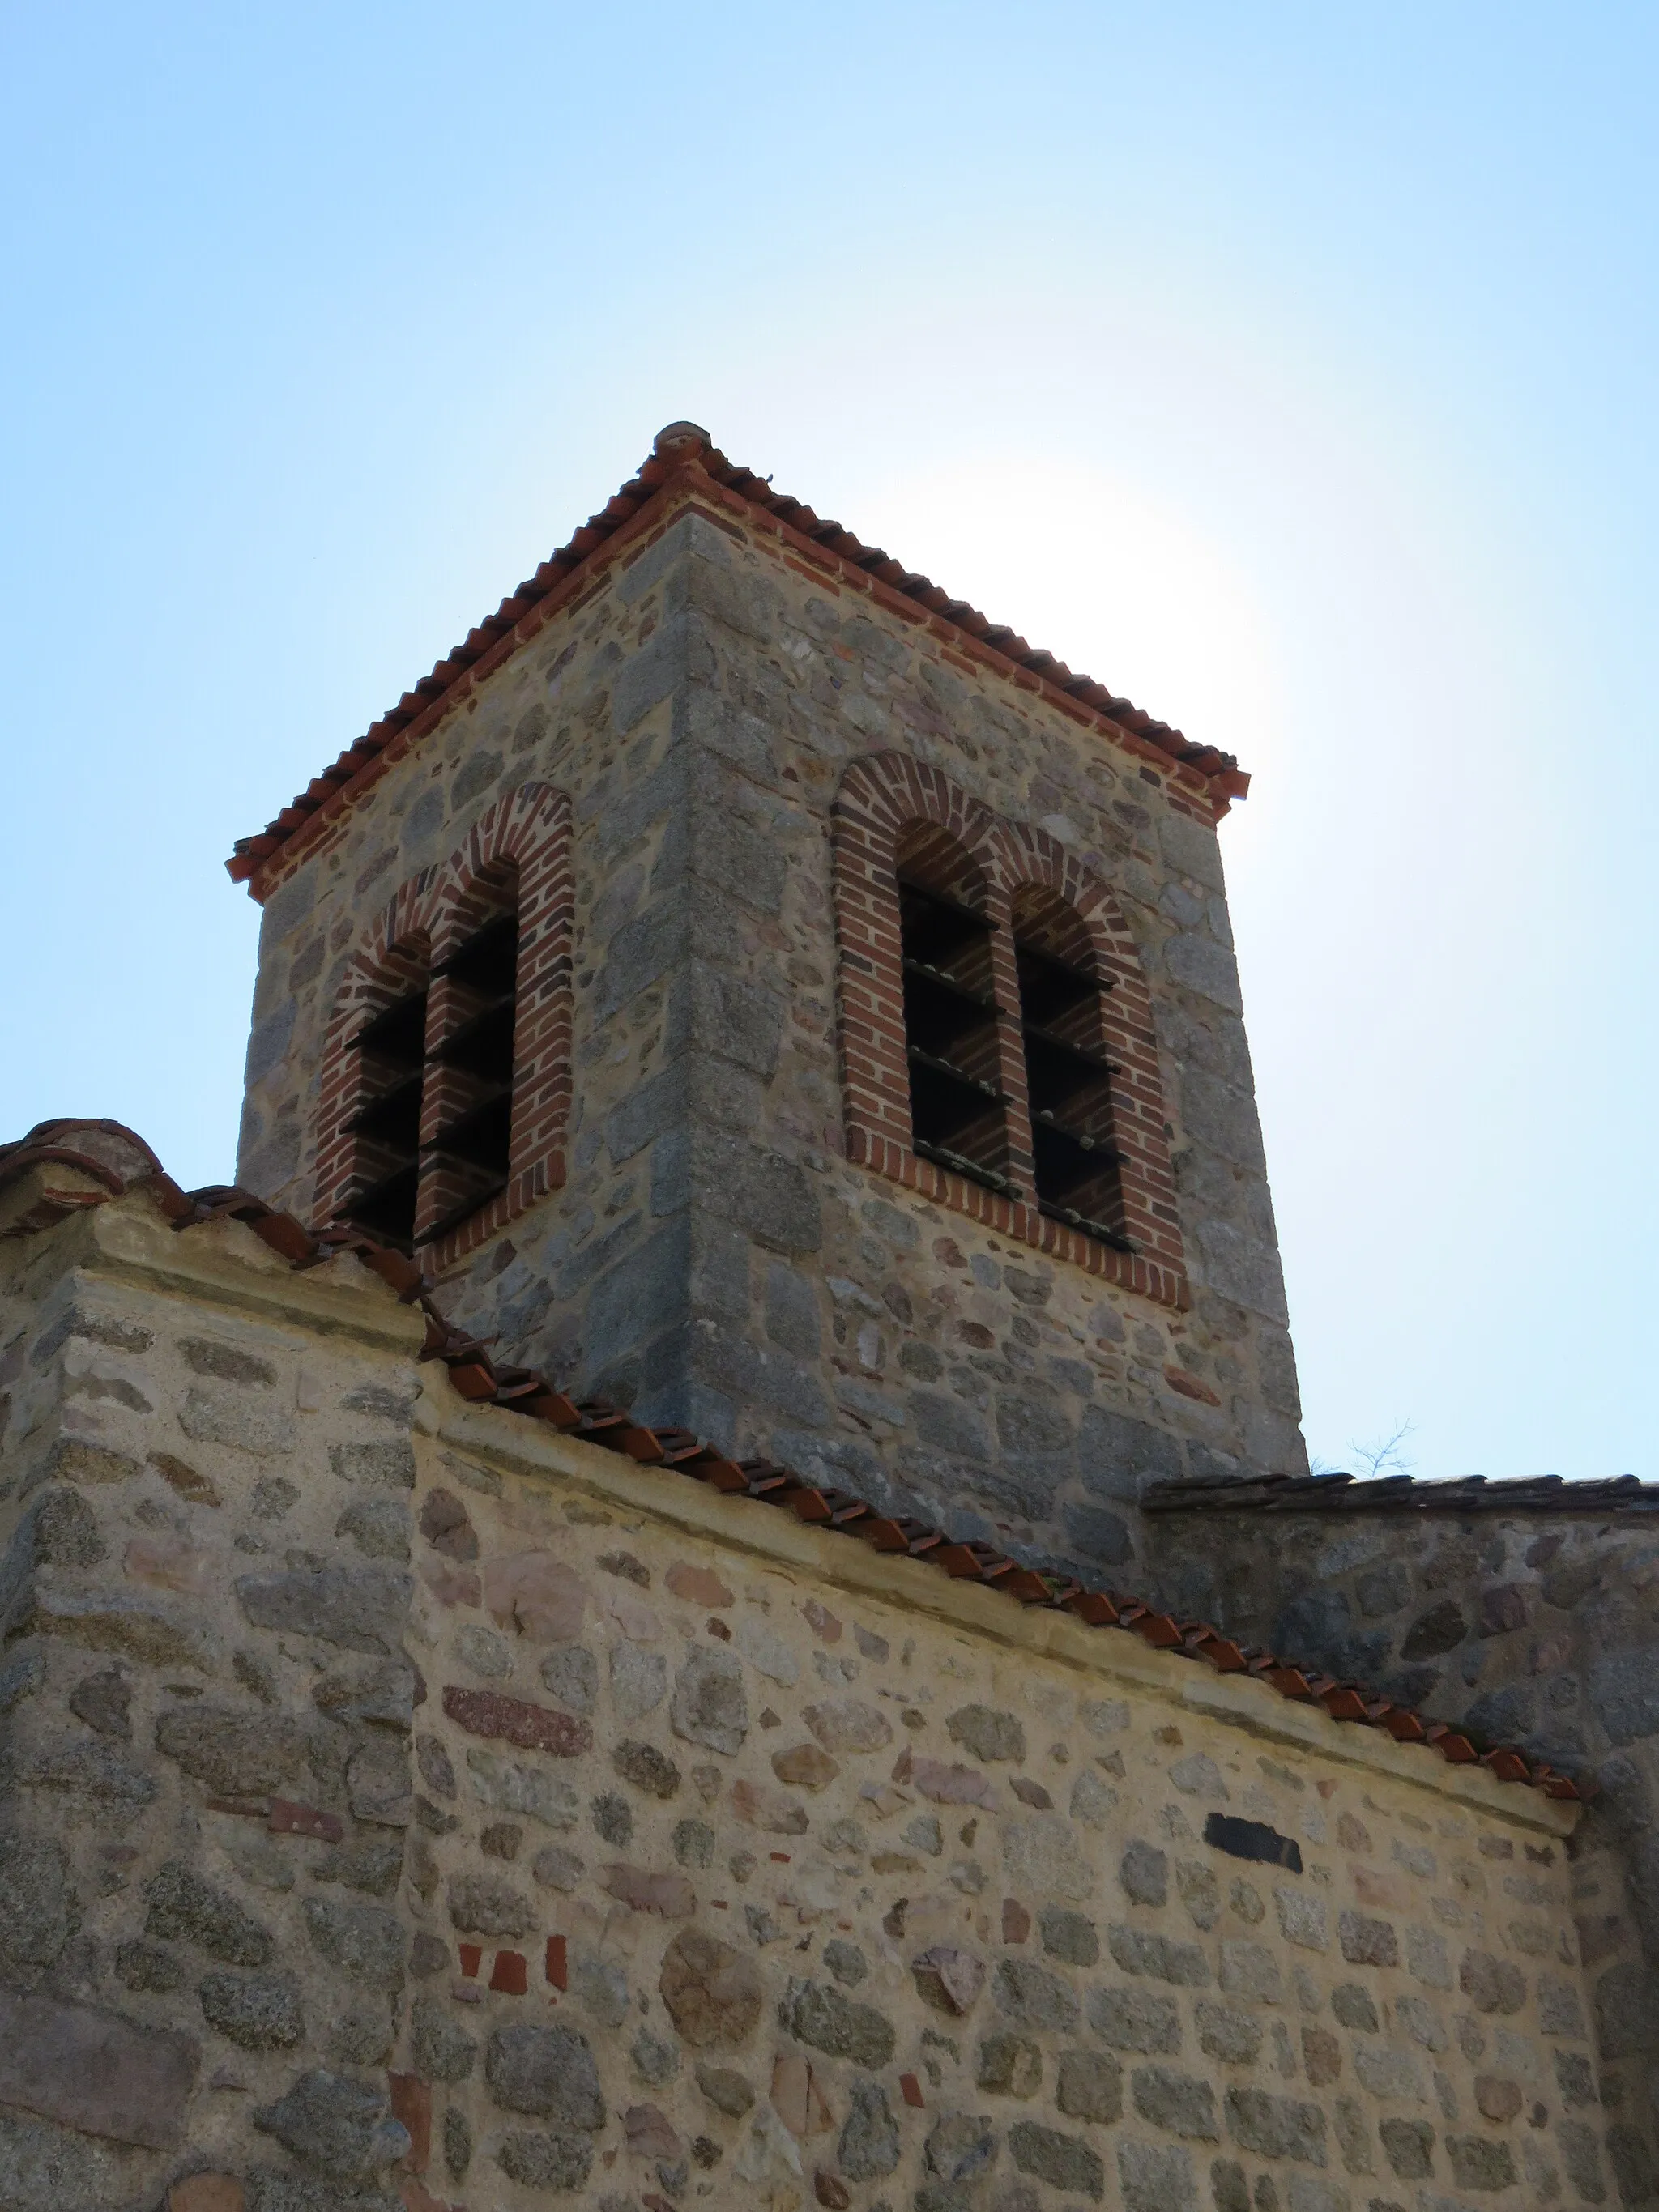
<point x="446" y="1087"/>
<point x="997" y="1044"/>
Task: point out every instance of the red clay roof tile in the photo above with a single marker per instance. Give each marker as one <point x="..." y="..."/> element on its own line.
<point x="1403" y="1493"/>
<point x="680" y="447"/>
<point x="119" y="1160"/>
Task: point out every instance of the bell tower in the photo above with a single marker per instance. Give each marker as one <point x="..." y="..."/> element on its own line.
<point x="764" y="992"/>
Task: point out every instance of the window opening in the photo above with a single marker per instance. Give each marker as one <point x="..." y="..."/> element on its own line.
<point x="465" y="1081"/>
<point x="472" y="1148"/>
<point x="386" y="1130"/>
<point x="1068" y="1077"/>
<point x="950" y="1035"/>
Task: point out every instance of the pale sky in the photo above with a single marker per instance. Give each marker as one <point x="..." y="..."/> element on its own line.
<point x="1289" y="368"/>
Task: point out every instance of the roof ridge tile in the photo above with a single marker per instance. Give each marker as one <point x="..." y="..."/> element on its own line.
<point x="679" y="447"/>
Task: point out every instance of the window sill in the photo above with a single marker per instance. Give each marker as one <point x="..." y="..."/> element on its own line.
<point x="523" y="1191"/>
<point x="1018" y="1219"/>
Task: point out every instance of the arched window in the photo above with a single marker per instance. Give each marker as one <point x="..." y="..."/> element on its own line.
<point x="446" y="1084"/>
<point x="1076" y="1163"/>
<point x="998" y="1052"/>
<point x="431" y="1133"/>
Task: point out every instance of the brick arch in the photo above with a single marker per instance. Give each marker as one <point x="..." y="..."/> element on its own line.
<point x="399" y="934"/>
<point x="1029" y="856"/>
<point x="526" y="834"/>
<point x="394" y="955"/>
<point x="518" y="853"/>
<point x="935" y="855"/>
<point x="880" y="795"/>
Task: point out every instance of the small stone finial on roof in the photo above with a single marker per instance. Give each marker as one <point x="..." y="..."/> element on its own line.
<point x="675" y="438"/>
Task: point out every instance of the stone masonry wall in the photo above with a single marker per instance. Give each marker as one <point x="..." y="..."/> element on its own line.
<point x="1536" y="1629"/>
<point x="403" y="1806"/>
<point x="713" y="1257"/>
<point x="849" y="1898"/>
<point x="204" y="1714"/>
<point x="589" y="709"/>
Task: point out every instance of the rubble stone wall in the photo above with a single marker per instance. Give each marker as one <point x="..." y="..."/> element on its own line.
<point x="713" y="1258"/>
<point x="404" y="1806"/>
<point x="1535" y="1629"/>
<point x="205" y="1474"/>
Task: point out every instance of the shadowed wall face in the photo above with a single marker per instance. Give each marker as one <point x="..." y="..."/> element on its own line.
<point x="1534" y="1629"/>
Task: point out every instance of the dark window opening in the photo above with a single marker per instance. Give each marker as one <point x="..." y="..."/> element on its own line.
<point x="465" y="1081"/>
<point x="1068" y="1076"/>
<point x="472" y="1148"/>
<point x="957" y="1115"/>
<point x="488" y="960"/>
<point x="386" y="1130"/>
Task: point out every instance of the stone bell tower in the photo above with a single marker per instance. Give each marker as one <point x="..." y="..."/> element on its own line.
<point x="764" y="992"/>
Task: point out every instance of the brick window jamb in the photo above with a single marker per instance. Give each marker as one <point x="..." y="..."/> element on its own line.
<point x="515" y="862"/>
<point x="883" y="799"/>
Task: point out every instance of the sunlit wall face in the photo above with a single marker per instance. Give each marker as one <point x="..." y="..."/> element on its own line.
<point x="1287" y="372"/>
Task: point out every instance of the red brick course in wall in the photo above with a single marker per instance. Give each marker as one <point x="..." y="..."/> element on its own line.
<point x="518" y="852"/>
<point x="882" y="796"/>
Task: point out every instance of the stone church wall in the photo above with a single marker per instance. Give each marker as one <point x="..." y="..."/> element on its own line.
<point x="1530" y="1628"/>
<point x="205" y="1705"/>
<point x="402" y="1806"/>
<point x="713" y="1258"/>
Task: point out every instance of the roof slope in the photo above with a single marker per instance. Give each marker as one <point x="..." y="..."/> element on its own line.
<point x="1404" y="1493"/>
<point x="118" y="1160"/>
<point x="680" y="453"/>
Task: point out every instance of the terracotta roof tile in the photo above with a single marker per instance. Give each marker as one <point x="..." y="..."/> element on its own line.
<point x="1403" y="1493"/>
<point x="683" y="454"/>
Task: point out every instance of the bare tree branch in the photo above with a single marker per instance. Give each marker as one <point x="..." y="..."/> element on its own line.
<point x="1386" y="1457"/>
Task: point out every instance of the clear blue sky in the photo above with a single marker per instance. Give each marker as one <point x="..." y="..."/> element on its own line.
<point x="1289" y="367"/>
